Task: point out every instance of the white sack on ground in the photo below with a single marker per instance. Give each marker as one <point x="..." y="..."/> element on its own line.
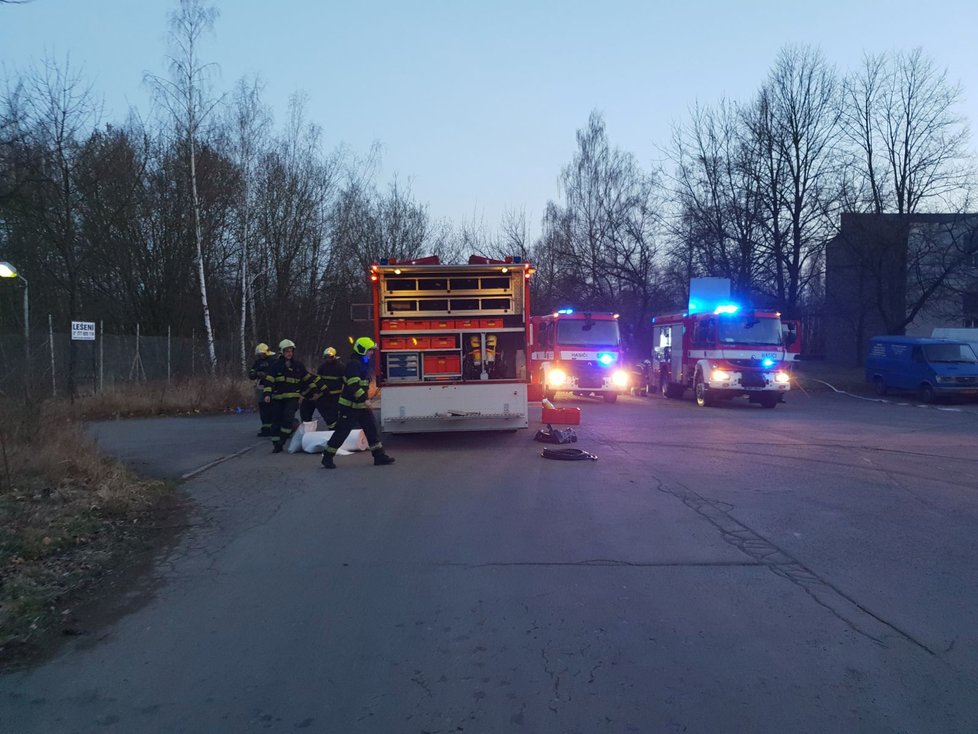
<point x="311" y="426"/>
<point x="315" y="442"/>
<point x="295" y="440"/>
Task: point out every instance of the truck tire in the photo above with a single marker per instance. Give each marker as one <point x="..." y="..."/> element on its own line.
<point x="610" y="397"/>
<point x="926" y="393"/>
<point x="880" y="385"/>
<point x="702" y="392"/>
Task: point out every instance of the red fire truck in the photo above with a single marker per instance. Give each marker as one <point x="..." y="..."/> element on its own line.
<point x="720" y="354"/>
<point x="720" y="350"/>
<point x="452" y="344"/>
<point x="791" y="336"/>
<point x="579" y="352"/>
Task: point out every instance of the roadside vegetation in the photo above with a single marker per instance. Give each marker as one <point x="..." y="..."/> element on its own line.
<point x="68" y="515"/>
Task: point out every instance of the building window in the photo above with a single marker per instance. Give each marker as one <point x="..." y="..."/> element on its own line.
<point x="969" y="308"/>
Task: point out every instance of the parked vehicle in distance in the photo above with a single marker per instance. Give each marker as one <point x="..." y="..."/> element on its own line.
<point x="577" y="351"/>
<point x="926" y="366"/>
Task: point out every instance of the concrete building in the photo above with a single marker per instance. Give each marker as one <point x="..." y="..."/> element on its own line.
<point x="898" y="274"/>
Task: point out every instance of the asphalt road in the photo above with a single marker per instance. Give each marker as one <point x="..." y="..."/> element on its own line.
<point x="731" y="569"/>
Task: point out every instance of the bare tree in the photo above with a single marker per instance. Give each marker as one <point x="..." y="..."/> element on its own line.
<point x="249" y="123"/>
<point x="602" y="241"/>
<point x="899" y="113"/>
<point x="794" y="130"/>
<point x="515" y="237"/>
<point x="717" y="187"/>
<point x="59" y="113"/>
<point x="185" y="96"/>
<point x="296" y="191"/>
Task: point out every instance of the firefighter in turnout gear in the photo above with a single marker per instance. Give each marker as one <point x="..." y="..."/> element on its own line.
<point x="286" y="380"/>
<point x="331" y="373"/>
<point x="353" y="409"/>
<point x="312" y="395"/>
<point x="263" y="362"/>
<point x="323" y="393"/>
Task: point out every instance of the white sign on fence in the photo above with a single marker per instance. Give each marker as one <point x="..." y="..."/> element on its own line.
<point x="83" y="331"/>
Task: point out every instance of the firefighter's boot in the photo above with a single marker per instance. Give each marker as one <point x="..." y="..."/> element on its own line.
<point x="328" y="461"/>
<point x="381" y="458"/>
<point x="277" y="446"/>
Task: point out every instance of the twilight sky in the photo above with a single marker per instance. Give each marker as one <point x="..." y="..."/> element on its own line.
<point x="476" y="104"/>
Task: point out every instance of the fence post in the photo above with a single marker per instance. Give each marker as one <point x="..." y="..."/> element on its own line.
<point x="54" y="384"/>
<point x="193" y="353"/>
<point x="101" y="356"/>
<point x="168" y="354"/>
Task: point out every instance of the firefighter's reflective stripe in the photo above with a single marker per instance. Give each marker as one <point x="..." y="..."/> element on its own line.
<point x="314" y="388"/>
<point x="287" y="387"/>
<point x="356" y="387"/>
<point x="286" y="380"/>
<point x="332" y="383"/>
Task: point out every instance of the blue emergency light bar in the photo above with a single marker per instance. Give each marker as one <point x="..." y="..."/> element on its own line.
<point x="607" y="358"/>
<point x="565" y="311"/>
<point x="726" y="308"/>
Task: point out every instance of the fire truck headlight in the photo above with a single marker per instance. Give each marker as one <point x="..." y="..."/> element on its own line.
<point x="619" y="378"/>
<point x="556" y="378"/>
<point x="782" y="378"/>
<point x="719" y="376"/>
<point x="606" y="358"/>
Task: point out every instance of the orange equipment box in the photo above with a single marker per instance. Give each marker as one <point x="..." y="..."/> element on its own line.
<point x="444" y="342"/>
<point x="467" y="323"/>
<point x="391" y="343"/>
<point x="443" y="324"/>
<point x="490" y="323"/>
<point x="569" y="416"/>
<point x="437" y="364"/>
<point x="393" y="324"/>
<point x="417" y="324"/>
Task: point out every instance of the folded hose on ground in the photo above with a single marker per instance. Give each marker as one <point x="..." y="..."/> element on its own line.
<point x="568" y="454"/>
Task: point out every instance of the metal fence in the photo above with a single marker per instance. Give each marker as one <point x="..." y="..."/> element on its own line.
<point x="48" y="368"/>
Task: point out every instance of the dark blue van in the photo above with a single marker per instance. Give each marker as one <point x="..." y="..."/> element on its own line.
<point x="928" y="367"/>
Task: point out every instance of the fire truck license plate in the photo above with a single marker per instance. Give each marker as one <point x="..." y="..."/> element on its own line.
<point x="751" y="379"/>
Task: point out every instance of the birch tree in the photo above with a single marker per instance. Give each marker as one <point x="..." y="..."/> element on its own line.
<point x="249" y="123"/>
<point x="185" y="95"/>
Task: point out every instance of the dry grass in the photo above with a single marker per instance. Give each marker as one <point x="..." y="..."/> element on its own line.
<point x="67" y="514"/>
<point x="141" y="400"/>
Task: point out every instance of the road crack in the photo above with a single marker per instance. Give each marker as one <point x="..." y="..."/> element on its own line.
<point x="766" y="553"/>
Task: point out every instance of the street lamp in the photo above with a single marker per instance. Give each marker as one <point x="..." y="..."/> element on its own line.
<point x="9" y="271"/>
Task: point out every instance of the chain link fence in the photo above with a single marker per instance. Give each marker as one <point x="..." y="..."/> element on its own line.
<point x="55" y="365"/>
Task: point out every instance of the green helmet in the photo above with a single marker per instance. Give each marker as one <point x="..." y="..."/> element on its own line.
<point x="363" y="345"/>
